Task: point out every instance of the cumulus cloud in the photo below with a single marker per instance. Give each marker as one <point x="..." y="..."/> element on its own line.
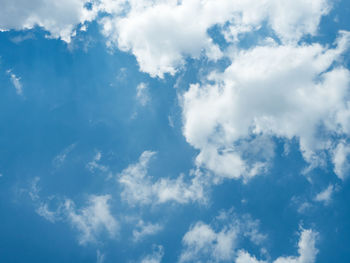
<point x="140" y="188"/>
<point x="285" y="91"/>
<point x="245" y="257"/>
<point x="306" y="248"/>
<point x="206" y="243"/>
<point x="59" y="18"/>
<point x="161" y="34"/>
<point x="211" y="243"/>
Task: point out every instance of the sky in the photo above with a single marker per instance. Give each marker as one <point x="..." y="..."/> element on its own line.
<point x="174" y="131"/>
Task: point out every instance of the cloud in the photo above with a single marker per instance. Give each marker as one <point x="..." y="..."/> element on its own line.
<point x="16" y="82"/>
<point x="140" y="188"/>
<point x="44" y="211"/>
<point x="155" y="257"/>
<point x="61" y="157"/>
<point x="92" y="219"/>
<point x="326" y="195"/>
<point x="306" y="248"/>
<point x="142" y="94"/>
<point x="284" y="91"/>
<point x="209" y="243"/>
<point x="145" y="229"/>
<point x="100" y="257"/>
<point x="245" y="257"/>
<point x="95" y="165"/>
<point x="340" y="158"/>
<point x="59" y="18"/>
<point x="161" y="34"/>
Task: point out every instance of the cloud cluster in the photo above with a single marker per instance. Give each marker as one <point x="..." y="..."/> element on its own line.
<point x="140" y="188"/>
<point x="59" y="18"/>
<point x="206" y="243"/>
<point x="161" y="34"/>
<point x="210" y="243"/>
<point x="285" y="91"/>
<point x="92" y="219"/>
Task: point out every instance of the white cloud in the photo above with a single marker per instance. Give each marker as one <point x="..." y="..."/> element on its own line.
<point x="306" y="248"/>
<point x="162" y="33"/>
<point x="16" y="82"/>
<point x="245" y="257"/>
<point x="145" y="229"/>
<point x="340" y="159"/>
<point x="89" y="220"/>
<point x="155" y="257"/>
<point x="201" y="241"/>
<point x="285" y="91"/>
<point x="44" y="211"/>
<point x="211" y="243"/>
<point x="326" y="195"/>
<point x="59" y="18"/>
<point x="142" y="94"/>
<point x="140" y="188"/>
<point x="92" y="219"/>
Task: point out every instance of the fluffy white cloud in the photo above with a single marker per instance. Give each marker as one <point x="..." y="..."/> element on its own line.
<point x="212" y="244"/>
<point x="92" y="219"/>
<point x="287" y="91"/>
<point x="162" y="33"/>
<point x="306" y="248"/>
<point x="60" y="18"/>
<point x="139" y="188"/>
<point x="202" y="243"/>
<point x="145" y="229"/>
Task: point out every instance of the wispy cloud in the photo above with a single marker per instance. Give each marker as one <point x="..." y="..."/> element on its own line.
<point x="145" y="229"/>
<point x="61" y="157"/>
<point x="16" y="81"/>
<point x="142" y="94"/>
<point x="325" y="196"/>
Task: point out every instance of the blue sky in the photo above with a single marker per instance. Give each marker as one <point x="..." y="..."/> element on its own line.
<point x="175" y="131"/>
